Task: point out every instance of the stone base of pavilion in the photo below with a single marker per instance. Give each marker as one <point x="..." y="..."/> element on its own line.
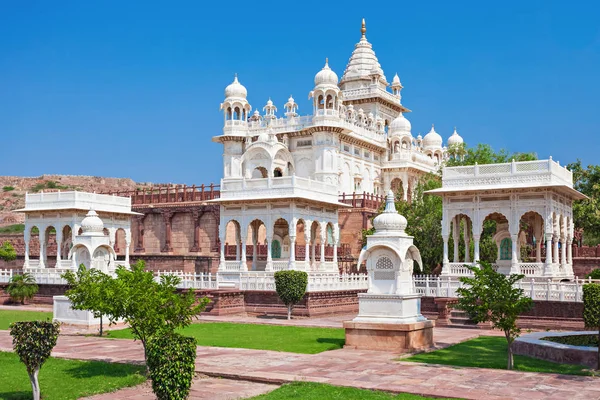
<point x="63" y="312"/>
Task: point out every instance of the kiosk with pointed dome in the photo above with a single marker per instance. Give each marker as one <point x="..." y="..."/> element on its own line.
<point x="282" y="175"/>
<point x="389" y="314"/>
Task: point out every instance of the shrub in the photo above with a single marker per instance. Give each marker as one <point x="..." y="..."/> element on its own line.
<point x="7" y="252"/>
<point x="8" y="188"/>
<point x="591" y="309"/>
<point x="172" y="362"/>
<point x="290" y="287"/>
<point x="595" y="274"/>
<point x="22" y="287"/>
<point x="33" y="342"/>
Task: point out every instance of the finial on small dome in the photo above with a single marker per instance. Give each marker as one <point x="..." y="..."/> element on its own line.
<point x="235" y="79"/>
<point x="363" y="29"/>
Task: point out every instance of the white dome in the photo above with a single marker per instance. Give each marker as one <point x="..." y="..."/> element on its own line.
<point x="455" y="139"/>
<point x="400" y="125"/>
<point x="432" y="139"/>
<point x="396" y="81"/>
<point x="389" y="220"/>
<point x="326" y="76"/>
<point x="92" y="224"/>
<point x="236" y="89"/>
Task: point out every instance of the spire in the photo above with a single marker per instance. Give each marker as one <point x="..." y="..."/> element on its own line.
<point x="363" y="29"/>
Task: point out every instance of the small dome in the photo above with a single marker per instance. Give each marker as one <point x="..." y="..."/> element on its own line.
<point x="326" y="76"/>
<point x="92" y="224"/>
<point x="455" y="139"/>
<point x="236" y="89"/>
<point x="396" y="81"/>
<point x="432" y="139"/>
<point x="400" y="125"/>
<point x="419" y="137"/>
<point x="390" y="220"/>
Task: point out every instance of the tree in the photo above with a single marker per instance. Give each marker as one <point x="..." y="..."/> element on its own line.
<point x="91" y="290"/>
<point x="586" y="213"/>
<point x="171" y="361"/>
<point x="151" y="308"/>
<point x="33" y="342"/>
<point x="290" y="287"/>
<point x="491" y="296"/>
<point x="22" y="287"/>
<point x="591" y="310"/>
<point x="484" y="154"/>
<point x="595" y="274"/>
<point x="7" y="252"/>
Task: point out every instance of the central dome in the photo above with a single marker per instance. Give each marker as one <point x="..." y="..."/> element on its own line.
<point x="390" y="220"/>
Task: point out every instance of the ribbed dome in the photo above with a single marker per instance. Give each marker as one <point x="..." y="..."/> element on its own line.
<point x="389" y="220"/>
<point x="236" y="89"/>
<point x="432" y="139"/>
<point x="326" y="76"/>
<point x="455" y="139"/>
<point x="363" y="61"/>
<point x="400" y="126"/>
<point x="92" y="224"/>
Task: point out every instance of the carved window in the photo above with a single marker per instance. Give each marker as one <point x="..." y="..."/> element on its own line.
<point x="384" y="269"/>
<point x="367" y="154"/>
<point x="304" y="143"/>
<point x="357" y="152"/>
<point x="347" y="148"/>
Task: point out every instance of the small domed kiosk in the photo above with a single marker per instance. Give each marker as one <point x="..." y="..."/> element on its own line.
<point x="389" y="316"/>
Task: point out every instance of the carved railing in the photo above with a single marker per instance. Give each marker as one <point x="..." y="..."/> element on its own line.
<point x="171" y="194"/>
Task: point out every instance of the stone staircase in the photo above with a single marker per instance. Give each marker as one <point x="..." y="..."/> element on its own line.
<point x="460" y="319"/>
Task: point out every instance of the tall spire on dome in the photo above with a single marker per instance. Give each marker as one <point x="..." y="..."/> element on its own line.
<point x="363" y="63"/>
<point x="363" y="29"/>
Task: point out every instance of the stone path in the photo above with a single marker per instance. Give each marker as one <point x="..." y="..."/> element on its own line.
<point x="344" y="367"/>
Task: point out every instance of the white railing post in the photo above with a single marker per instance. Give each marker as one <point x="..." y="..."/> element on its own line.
<point x="548" y="290"/>
<point x="532" y="295"/>
<point x="561" y="294"/>
<point x="577" y="289"/>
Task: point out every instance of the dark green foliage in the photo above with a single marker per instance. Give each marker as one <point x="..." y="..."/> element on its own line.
<point x="22" y="287"/>
<point x="595" y="274"/>
<point x="33" y="342"/>
<point x="171" y="361"/>
<point x="484" y="154"/>
<point x="48" y="185"/>
<point x="151" y="308"/>
<point x="8" y="188"/>
<point x="586" y="213"/>
<point x="489" y="296"/>
<point x="575" y="340"/>
<point x="91" y="290"/>
<point x="591" y="309"/>
<point x="7" y="252"/>
<point x="291" y="287"/>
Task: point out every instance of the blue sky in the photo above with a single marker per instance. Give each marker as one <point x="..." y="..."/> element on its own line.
<point x="132" y="89"/>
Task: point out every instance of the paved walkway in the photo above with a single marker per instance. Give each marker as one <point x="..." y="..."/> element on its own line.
<point x="344" y="367"/>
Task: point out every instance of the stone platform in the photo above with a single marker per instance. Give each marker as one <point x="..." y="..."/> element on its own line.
<point x="399" y="338"/>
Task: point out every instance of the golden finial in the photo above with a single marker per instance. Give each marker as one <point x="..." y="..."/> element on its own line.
<point x="363" y="30"/>
<point x="326" y="61"/>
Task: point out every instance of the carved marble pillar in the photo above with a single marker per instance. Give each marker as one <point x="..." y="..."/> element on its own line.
<point x="139" y="246"/>
<point x="307" y="239"/>
<point x="445" y="261"/>
<point x="323" y="241"/>
<point x="548" y="264"/>
<point x="292" y="262"/>
<point x="456" y="236"/>
<point x="476" y="239"/>
<point x="538" y="249"/>
<point x="59" y="238"/>
<point x="467" y="237"/>
<point x="269" y="265"/>
<point x="27" y="237"/>
<point x="555" y="250"/>
<point x="243" y="260"/>
<point x="254" y="246"/>
<point x="42" y="237"/>
<point x="514" y="264"/>
<point x="167" y="218"/>
<point x="563" y="251"/>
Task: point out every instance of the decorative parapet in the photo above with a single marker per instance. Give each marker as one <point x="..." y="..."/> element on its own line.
<point x="76" y="201"/>
<point x="528" y="173"/>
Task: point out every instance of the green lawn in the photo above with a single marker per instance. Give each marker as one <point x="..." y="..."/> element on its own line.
<point x="319" y="391"/>
<point x="9" y="316"/>
<point x="491" y="352"/>
<point x="65" y="379"/>
<point x="264" y="337"/>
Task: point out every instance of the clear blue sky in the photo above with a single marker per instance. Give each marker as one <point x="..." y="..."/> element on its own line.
<point x="132" y="89"/>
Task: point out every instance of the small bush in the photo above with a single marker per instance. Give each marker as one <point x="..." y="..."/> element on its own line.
<point x="591" y="309"/>
<point x="33" y="341"/>
<point x="291" y="287"/>
<point x="7" y="252"/>
<point x="8" y="188"/>
<point x="15" y="228"/>
<point x="22" y="287"/>
<point x="595" y="274"/>
<point x="172" y="362"/>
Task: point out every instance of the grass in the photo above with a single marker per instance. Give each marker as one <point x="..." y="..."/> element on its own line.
<point x="262" y="337"/>
<point x="491" y="352"/>
<point x="66" y="379"/>
<point x="16" y="228"/>
<point x="9" y="316"/>
<point x="320" y="391"/>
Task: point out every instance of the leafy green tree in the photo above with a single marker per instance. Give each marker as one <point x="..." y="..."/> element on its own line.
<point x="91" y="290"/>
<point x="491" y="296"/>
<point x="33" y="341"/>
<point x="22" y="287"/>
<point x="172" y="363"/>
<point x="151" y="308"/>
<point x="291" y="287"/>
<point x="484" y="154"/>
<point x="586" y="213"/>
<point x="595" y="274"/>
<point x="7" y="252"/>
<point x="591" y="310"/>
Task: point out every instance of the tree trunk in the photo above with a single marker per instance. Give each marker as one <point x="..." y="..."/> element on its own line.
<point x="145" y="358"/>
<point x="101" y="325"/>
<point x="289" y="312"/>
<point x="35" y="385"/>
<point x="510" y="355"/>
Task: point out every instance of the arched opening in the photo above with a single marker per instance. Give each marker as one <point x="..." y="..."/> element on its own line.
<point x="506" y="249"/>
<point x="67" y="241"/>
<point x="495" y="228"/>
<point x="397" y="188"/>
<point x="50" y="247"/>
<point x="232" y="240"/>
<point x="320" y="102"/>
<point x="120" y="243"/>
<point x="34" y="246"/>
<point x="81" y="256"/>
<point x="259" y="172"/>
<point x="277" y="173"/>
<point x="315" y="247"/>
<point x="236" y="114"/>
<point x="461" y="237"/>
<point x="101" y="259"/>
<point x="280" y="245"/>
<point x="257" y="245"/>
<point x="228" y="114"/>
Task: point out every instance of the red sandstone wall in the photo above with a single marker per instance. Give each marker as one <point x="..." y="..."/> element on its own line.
<point x="182" y="233"/>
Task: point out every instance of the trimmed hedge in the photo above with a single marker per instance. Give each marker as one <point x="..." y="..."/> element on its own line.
<point x="172" y="363"/>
